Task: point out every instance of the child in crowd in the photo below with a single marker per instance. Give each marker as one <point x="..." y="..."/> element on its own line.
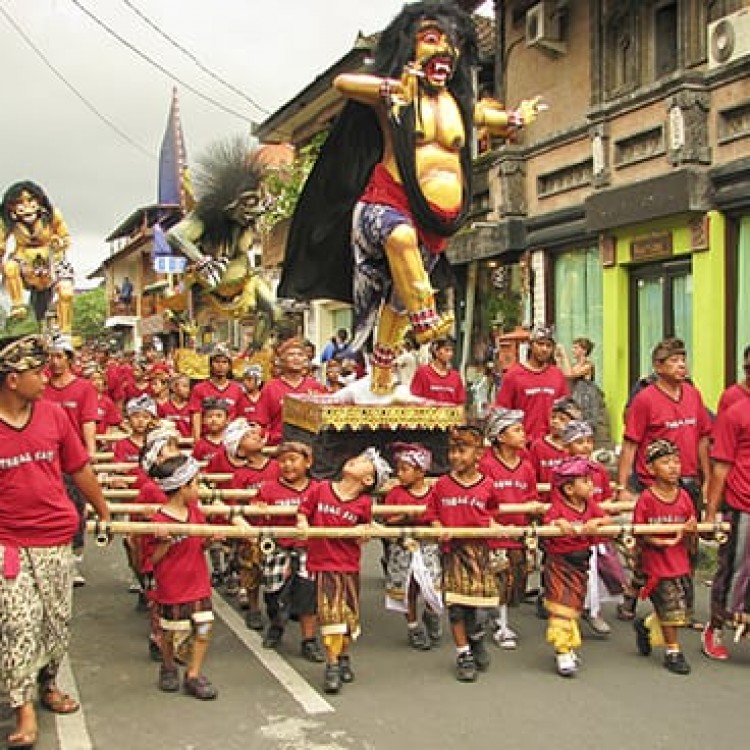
<point x="413" y="568"/>
<point x="137" y="385"/>
<point x="252" y="385"/>
<point x="465" y="497"/>
<point x="335" y="562"/>
<point x="158" y="379"/>
<point x="107" y="414"/>
<point x="566" y="565"/>
<point x="289" y="590"/>
<point x="176" y="407"/>
<point x="607" y="577"/>
<point x="140" y="416"/>
<point x="665" y="559"/>
<point x="333" y="382"/>
<point x="244" y="443"/>
<point x="183" y="585"/>
<point x="515" y="482"/>
<point x="214" y="417"/>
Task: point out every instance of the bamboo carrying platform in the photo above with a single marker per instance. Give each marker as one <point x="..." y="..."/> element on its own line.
<point x="336" y="432"/>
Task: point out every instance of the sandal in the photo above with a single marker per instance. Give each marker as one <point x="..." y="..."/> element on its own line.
<point x="53" y="699"/>
<point x="22" y="740"/>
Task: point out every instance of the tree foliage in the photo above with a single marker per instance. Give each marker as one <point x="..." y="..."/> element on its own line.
<point x="90" y="313"/>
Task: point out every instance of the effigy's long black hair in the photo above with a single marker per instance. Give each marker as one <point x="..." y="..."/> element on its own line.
<point x="318" y="261"/>
<point x="13" y="195"/>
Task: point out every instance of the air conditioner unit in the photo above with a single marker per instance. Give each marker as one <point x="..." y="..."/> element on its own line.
<point x="543" y="26"/>
<point x="729" y="39"/>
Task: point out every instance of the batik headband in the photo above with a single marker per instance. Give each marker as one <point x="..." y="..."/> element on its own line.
<point x="414" y="454"/>
<point x="576" y="429"/>
<point x="156" y="440"/>
<point x="182" y="475"/>
<point x="500" y="419"/>
<point x="292" y="343"/>
<point x="294" y="446"/>
<point x="661" y="448"/>
<point x="570" y="470"/>
<point x="141" y="403"/>
<point x="465" y="435"/>
<point x="567" y="405"/>
<point x="253" y="371"/>
<point x="27" y="353"/>
<point x="235" y="431"/>
<point x="60" y="342"/>
<point x="381" y="466"/>
<point x="541" y="332"/>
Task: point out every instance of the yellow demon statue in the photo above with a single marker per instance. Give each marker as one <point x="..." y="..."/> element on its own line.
<point x="34" y="240"/>
<point x="221" y="230"/>
<point x="393" y="183"/>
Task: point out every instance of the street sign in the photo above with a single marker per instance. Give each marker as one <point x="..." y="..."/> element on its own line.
<point x="169" y="264"/>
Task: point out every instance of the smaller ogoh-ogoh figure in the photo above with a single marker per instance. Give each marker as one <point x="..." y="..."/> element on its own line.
<point x="34" y="240"/>
<point x="221" y="230"/>
<point x="393" y="183"/>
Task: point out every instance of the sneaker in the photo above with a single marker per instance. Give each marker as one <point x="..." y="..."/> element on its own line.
<point x="712" y="644"/>
<point x="675" y="662"/>
<point x="200" y="687"/>
<point x="433" y="626"/>
<point x="480" y="653"/>
<point x="466" y="668"/>
<point x="243" y="600"/>
<point x="642" y="637"/>
<point x="169" y="679"/>
<point x="254" y="619"/>
<point x="311" y="650"/>
<point x="78" y="577"/>
<point x="273" y="636"/>
<point x="418" y="639"/>
<point x="135" y="588"/>
<point x="331" y="679"/>
<point x="505" y="638"/>
<point x="567" y="664"/>
<point x="599" y="626"/>
<point x="626" y="610"/>
<point x="345" y="668"/>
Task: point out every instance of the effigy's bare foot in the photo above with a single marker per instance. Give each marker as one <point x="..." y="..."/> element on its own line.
<point x="381" y="381"/>
<point x="442" y="327"/>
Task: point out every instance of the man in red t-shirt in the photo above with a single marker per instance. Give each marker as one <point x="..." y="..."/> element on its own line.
<point x="738" y="391"/>
<point x="37" y="525"/>
<point x="730" y="481"/>
<point x="533" y="386"/>
<point x="437" y="380"/>
<point x="292" y="380"/>
<point x="218" y="386"/>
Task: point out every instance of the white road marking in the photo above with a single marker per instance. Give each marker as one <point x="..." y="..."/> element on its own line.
<point x="72" y="732"/>
<point x="310" y="700"/>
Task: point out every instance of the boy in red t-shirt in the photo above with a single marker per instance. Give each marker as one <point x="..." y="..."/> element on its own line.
<point x="183" y="584"/>
<point x="514" y="480"/>
<point x="177" y="407"/>
<point x="566" y="562"/>
<point x="413" y="569"/>
<point x="289" y="590"/>
<point x="214" y="421"/>
<point x="107" y="414"/>
<point x="335" y="562"/>
<point x="466" y="498"/>
<point x="665" y="559"/>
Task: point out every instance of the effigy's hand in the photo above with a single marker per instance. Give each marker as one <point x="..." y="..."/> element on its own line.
<point x="409" y="83"/>
<point x="211" y="270"/>
<point x="527" y="111"/>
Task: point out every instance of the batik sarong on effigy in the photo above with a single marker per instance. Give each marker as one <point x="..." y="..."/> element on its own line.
<point x="565" y="581"/>
<point x="338" y="603"/>
<point x="469" y="576"/>
<point x="36" y="593"/>
<point x="413" y="561"/>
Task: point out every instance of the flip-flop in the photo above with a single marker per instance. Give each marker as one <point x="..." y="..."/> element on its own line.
<point x="22" y="740"/>
<point x="58" y="702"/>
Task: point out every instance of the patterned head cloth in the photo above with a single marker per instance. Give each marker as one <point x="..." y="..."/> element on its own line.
<point x="381" y="466"/>
<point x="27" y="353"/>
<point x="220" y="350"/>
<point x="569" y="470"/>
<point x="60" y="342"/>
<point x="184" y="472"/>
<point x="568" y="406"/>
<point x="209" y="404"/>
<point x="292" y="343"/>
<point x="253" y="371"/>
<point x="294" y="446"/>
<point x="156" y="440"/>
<point x="575" y="429"/>
<point x="659" y="449"/>
<point x="500" y="419"/>
<point x="235" y="431"/>
<point x="141" y="403"/>
<point x="465" y="435"/>
<point x="414" y="454"/>
<point x="541" y="332"/>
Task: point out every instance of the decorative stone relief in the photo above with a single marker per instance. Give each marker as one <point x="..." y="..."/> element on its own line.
<point x="687" y="126"/>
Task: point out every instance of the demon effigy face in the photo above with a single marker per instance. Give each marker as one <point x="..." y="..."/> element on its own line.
<point x="436" y="55"/>
<point x="246" y="209"/>
<point x="26" y="208"/>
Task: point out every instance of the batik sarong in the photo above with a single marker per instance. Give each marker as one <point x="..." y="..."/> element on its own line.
<point x="469" y="576"/>
<point x="338" y="603"/>
<point x="673" y="600"/>
<point x="730" y="593"/>
<point x="413" y="561"/>
<point x="565" y="581"/>
<point x="512" y="573"/>
<point x="249" y="561"/>
<point x="36" y="592"/>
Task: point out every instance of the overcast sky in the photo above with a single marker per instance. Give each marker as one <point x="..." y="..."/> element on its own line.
<point x="269" y="50"/>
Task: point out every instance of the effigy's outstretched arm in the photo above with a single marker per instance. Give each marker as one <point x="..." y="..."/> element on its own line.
<point x="490" y="113"/>
<point x="378" y="90"/>
<point x="185" y="236"/>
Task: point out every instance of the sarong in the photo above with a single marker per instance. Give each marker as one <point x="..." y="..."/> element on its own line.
<point x="673" y="601"/>
<point x="35" y="615"/>
<point x="469" y="577"/>
<point x="512" y="575"/>
<point x="289" y="590"/>
<point x="565" y="581"/>
<point x="249" y="558"/>
<point x="338" y="603"/>
<point x="185" y="616"/>
<point x="421" y="564"/>
<point x="730" y="593"/>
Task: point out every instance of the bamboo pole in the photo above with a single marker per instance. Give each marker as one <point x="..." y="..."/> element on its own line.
<point x="130" y="479"/>
<point x="113" y="437"/>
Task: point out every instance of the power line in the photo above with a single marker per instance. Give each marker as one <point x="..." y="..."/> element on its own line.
<point x="72" y="88"/>
<point x="193" y="58"/>
<point x="156" y="65"/>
